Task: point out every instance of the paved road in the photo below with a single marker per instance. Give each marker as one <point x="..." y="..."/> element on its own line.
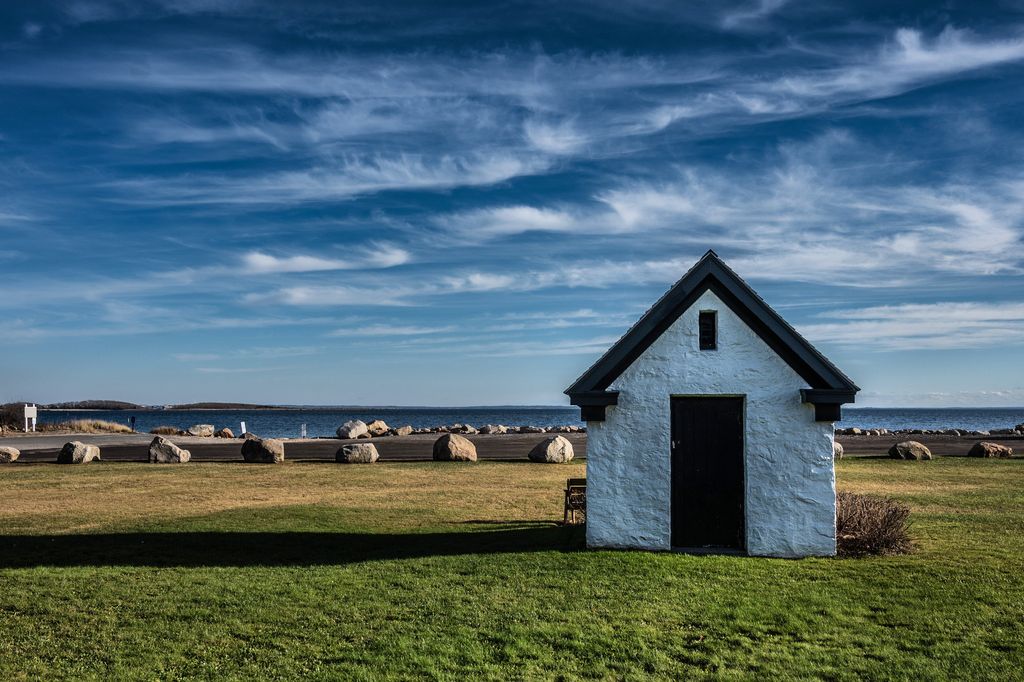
<point x="956" y="446"/>
<point x="135" y="447"/>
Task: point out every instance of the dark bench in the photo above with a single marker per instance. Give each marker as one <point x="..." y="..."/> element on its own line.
<point x="575" y="500"/>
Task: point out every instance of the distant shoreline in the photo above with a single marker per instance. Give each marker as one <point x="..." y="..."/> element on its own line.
<point x="304" y="408"/>
<point x="227" y="407"/>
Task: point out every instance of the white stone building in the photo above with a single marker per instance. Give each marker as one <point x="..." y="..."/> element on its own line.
<point x="710" y="425"/>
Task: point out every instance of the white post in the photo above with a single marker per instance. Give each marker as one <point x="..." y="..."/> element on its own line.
<point x="303" y="431"/>
<point x="243" y="428"/>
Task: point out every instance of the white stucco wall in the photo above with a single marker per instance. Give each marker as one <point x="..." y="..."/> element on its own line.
<point x="790" y="477"/>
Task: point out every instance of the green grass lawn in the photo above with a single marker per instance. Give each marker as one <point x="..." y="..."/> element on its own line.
<point x="458" y="571"/>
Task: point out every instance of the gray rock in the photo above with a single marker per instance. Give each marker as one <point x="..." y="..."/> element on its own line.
<point x="910" y="449"/>
<point x="263" y="451"/>
<point x="357" y="453"/>
<point x="403" y="431"/>
<point x="77" y="452"/>
<point x="163" y="451"/>
<point x="531" y="429"/>
<point x="352" y="429"/>
<point x="986" y="449"/>
<point x="377" y="428"/>
<point x="837" y="450"/>
<point x="204" y="430"/>
<point x="224" y="433"/>
<point x="454" y="448"/>
<point x="494" y="428"/>
<point x="554" y="450"/>
<point x="249" y="436"/>
<point x="8" y="454"/>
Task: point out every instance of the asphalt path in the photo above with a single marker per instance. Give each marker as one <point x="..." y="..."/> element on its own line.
<point x="135" y="447"/>
<point x="419" y="447"/>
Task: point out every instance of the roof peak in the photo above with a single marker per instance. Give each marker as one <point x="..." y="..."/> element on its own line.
<point x="711" y="272"/>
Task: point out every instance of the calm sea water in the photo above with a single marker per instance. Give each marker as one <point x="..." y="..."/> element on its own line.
<point x="972" y="419"/>
<point x="287" y="423"/>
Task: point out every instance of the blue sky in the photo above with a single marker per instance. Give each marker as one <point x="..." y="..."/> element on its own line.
<point x="454" y="204"/>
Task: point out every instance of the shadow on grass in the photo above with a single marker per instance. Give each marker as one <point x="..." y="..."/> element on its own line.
<point x="194" y="549"/>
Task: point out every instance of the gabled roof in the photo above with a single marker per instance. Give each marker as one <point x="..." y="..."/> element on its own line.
<point x="827" y="384"/>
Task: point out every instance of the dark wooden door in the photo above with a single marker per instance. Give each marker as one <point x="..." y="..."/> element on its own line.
<point x="707" y="472"/>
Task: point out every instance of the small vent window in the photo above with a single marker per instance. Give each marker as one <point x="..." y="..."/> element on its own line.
<point x="708" y="327"/>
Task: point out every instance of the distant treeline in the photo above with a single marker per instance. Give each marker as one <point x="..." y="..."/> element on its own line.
<point x="122" y="405"/>
<point x="93" y="405"/>
<point x="223" y="406"/>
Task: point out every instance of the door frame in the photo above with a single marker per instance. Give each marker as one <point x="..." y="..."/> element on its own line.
<point x="746" y="508"/>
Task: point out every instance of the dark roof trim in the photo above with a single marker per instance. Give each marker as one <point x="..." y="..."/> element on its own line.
<point x="595" y="398"/>
<point x="711" y="273"/>
<point x="821" y="395"/>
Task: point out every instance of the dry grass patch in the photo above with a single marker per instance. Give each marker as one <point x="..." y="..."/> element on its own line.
<point x="114" y="494"/>
<point x="86" y="426"/>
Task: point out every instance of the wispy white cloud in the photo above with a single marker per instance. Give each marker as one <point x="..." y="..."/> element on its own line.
<point x="750" y="13"/>
<point x="527" y="348"/>
<point x="437" y="121"/>
<point x="332" y="295"/>
<point x="238" y="370"/>
<point x="923" y="326"/>
<point x="389" y="330"/>
<point x="504" y="221"/>
<point x="554" y="138"/>
<point x="195" y="357"/>
<point x="371" y="256"/>
<point x="907" y="61"/>
<point x="334" y="180"/>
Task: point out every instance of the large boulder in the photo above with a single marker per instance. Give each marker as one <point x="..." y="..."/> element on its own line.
<point x="377" y="428"/>
<point x="163" y="451"/>
<point x="204" y="430"/>
<point x="837" y="450"/>
<point x="910" y="449"/>
<point x="986" y="449"/>
<point x="263" y="451"/>
<point x="554" y="450"/>
<point x="357" y="453"/>
<point x="403" y="431"/>
<point x="352" y="429"/>
<point x="454" y="448"/>
<point x="8" y="455"/>
<point x="77" y="452"/>
<point x="224" y="433"/>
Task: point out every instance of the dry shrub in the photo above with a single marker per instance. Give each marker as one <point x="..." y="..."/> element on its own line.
<point x="86" y="426"/>
<point x="12" y="416"/>
<point x="866" y="524"/>
<point x="166" y="431"/>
